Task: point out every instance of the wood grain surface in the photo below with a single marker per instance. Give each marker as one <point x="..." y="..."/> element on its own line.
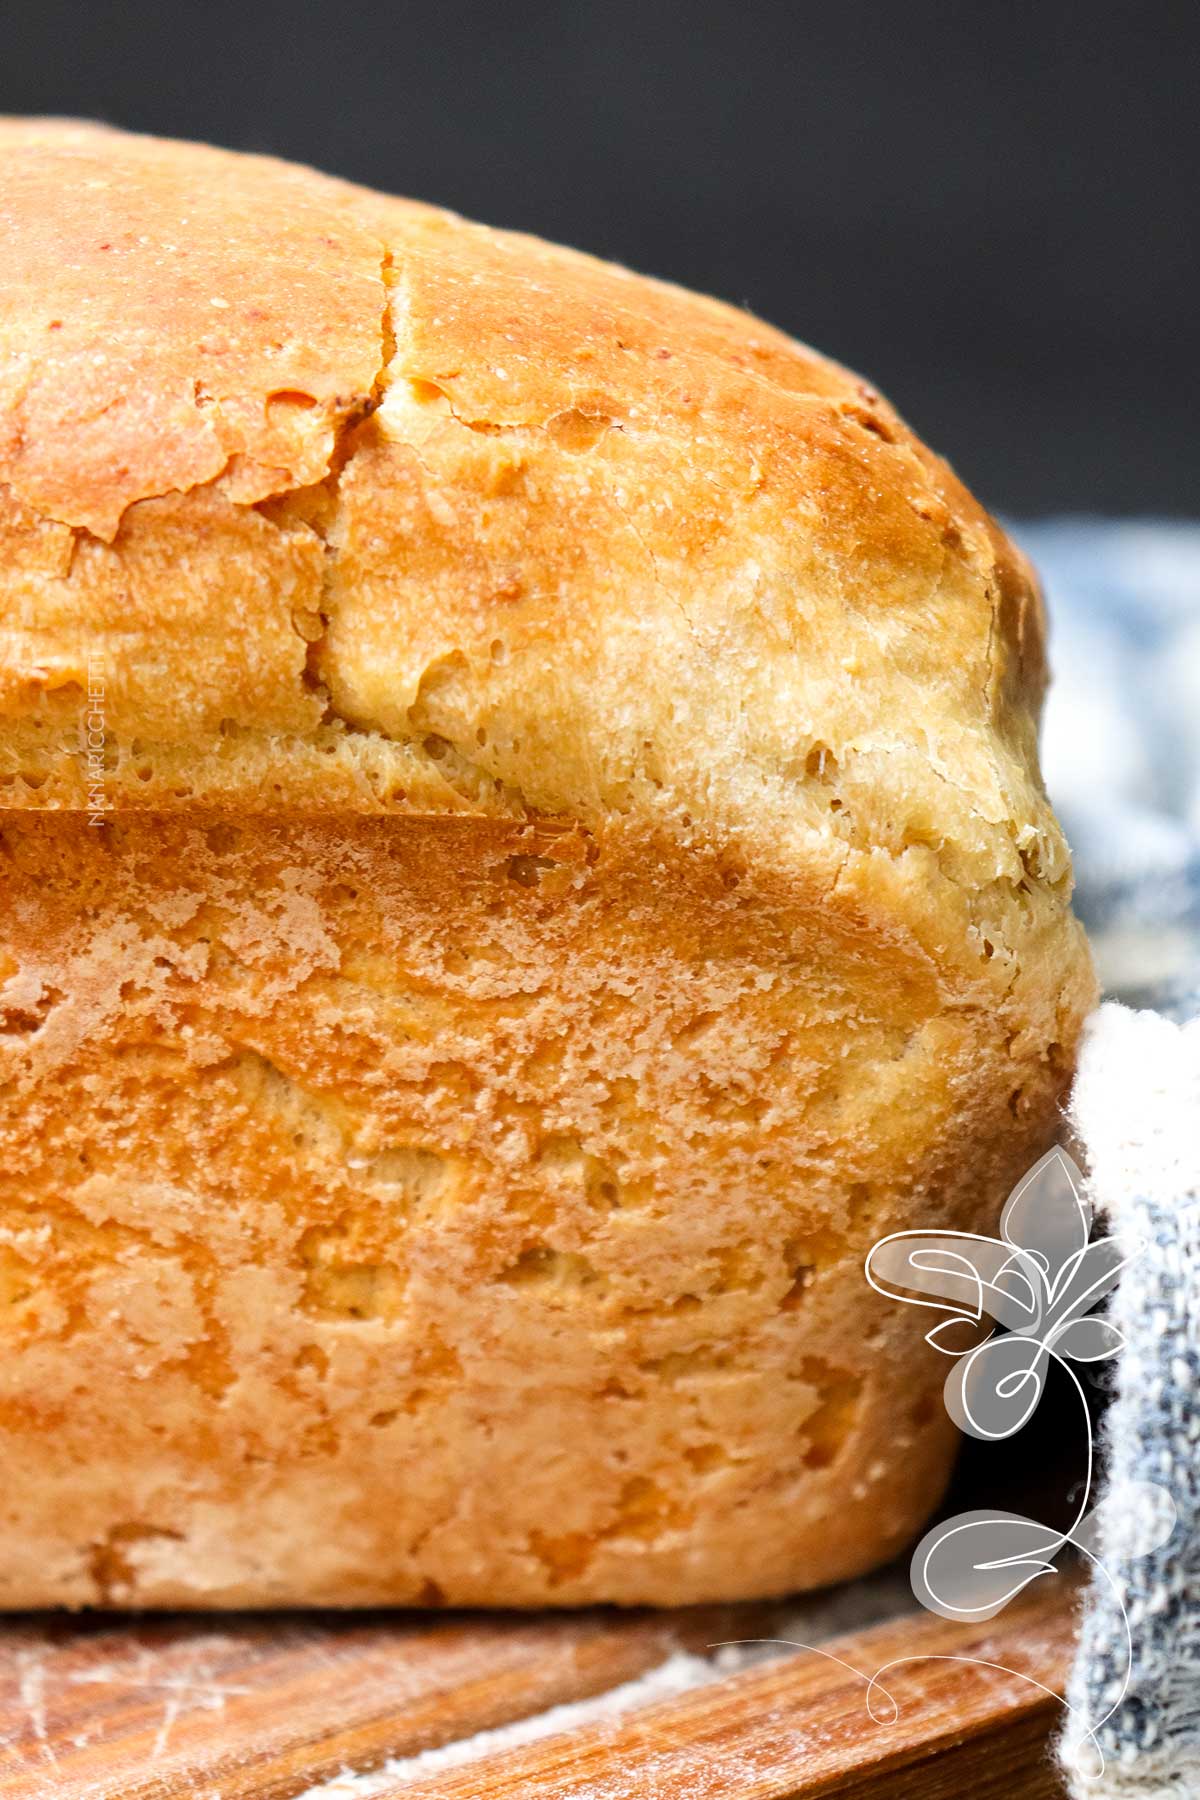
<point x="943" y="1727"/>
<point x="262" y="1708"/>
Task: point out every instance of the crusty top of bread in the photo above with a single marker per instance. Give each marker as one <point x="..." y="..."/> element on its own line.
<point x="346" y="503"/>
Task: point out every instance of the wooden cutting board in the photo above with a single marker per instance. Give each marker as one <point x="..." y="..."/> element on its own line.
<point x="259" y="1708"/>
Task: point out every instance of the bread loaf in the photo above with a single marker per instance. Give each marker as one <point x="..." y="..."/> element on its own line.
<point x="522" y="855"/>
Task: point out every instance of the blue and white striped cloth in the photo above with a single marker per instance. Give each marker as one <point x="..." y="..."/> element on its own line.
<point x="1122" y="760"/>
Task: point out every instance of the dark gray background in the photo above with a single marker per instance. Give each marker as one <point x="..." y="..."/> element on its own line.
<point x="990" y="208"/>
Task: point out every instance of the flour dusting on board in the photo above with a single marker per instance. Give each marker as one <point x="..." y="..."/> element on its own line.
<point x="847" y="1609"/>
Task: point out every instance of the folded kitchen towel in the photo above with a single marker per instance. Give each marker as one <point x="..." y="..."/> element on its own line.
<point x="1122" y="757"/>
<point x="1136" y="1682"/>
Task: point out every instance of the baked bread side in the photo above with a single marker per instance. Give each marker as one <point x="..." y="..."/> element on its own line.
<point x="403" y="1212"/>
<point x="573" y="872"/>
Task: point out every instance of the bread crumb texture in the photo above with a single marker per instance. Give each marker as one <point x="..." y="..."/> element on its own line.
<point x="575" y="873"/>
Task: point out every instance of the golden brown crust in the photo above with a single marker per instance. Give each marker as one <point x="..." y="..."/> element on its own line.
<point x="558" y="733"/>
<point x="394" y="1210"/>
<point x="574" y="464"/>
<point x="174" y="317"/>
